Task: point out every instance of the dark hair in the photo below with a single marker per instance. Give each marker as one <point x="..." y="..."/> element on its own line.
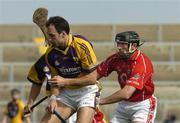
<point x="15" y="91"/>
<point x="60" y="24"/>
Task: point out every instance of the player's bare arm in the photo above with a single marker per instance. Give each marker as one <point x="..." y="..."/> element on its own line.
<point x="88" y="79"/>
<point x="123" y="94"/>
<point x="34" y="92"/>
<point x="53" y="93"/>
<point x="27" y="119"/>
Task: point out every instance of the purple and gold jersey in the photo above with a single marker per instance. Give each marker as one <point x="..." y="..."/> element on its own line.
<point x="14" y="111"/>
<point x="76" y="60"/>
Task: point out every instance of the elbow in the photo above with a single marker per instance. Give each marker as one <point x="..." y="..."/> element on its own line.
<point x="127" y="96"/>
<point x="128" y="91"/>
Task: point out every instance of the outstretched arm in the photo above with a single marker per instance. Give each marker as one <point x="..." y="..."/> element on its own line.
<point x="123" y="94"/>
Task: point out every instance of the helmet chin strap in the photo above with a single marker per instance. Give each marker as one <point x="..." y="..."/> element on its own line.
<point x="130" y="48"/>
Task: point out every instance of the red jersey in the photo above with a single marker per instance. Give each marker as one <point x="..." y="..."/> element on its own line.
<point x="137" y="71"/>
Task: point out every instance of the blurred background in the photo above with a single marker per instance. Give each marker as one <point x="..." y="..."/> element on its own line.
<point x="156" y="21"/>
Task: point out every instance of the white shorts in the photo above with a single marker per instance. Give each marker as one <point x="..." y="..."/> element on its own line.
<point x="144" y="111"/>
<point x="81" y="97"/>
<point x="72" y="119"/>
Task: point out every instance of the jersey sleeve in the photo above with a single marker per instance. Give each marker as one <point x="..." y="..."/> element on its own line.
<point x="36" y="74"/>
<point x="87" y="56"/>
<point x="105" y="67"/>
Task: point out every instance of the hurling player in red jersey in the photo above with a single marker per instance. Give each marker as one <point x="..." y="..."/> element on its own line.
<point x="136" y="102"/>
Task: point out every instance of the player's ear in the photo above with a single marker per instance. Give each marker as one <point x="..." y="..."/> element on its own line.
<point x="134" y="44"/>
<point x="64" y="33"/>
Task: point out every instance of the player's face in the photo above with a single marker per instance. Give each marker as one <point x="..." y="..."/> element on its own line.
<point x="125" y="50"/>
<point x="122" y="48"/>
<point x="16" y="96"/>
<point x="56" y="39"/>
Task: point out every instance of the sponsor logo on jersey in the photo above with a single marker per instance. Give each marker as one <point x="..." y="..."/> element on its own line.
<point x="70" y="71"/>
<point x="136" y="76"/>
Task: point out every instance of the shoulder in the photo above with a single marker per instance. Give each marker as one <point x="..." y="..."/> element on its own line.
<point x="112" y="57"/>
<point x="41" y="59"/>
<point x="81" y="41"/>
<point x="110" y="60"/>
<point x="80" y="37"/>
<point x="144" y="61"/>
<point x="40" y="63"/>
<point x="144" y="57"/>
